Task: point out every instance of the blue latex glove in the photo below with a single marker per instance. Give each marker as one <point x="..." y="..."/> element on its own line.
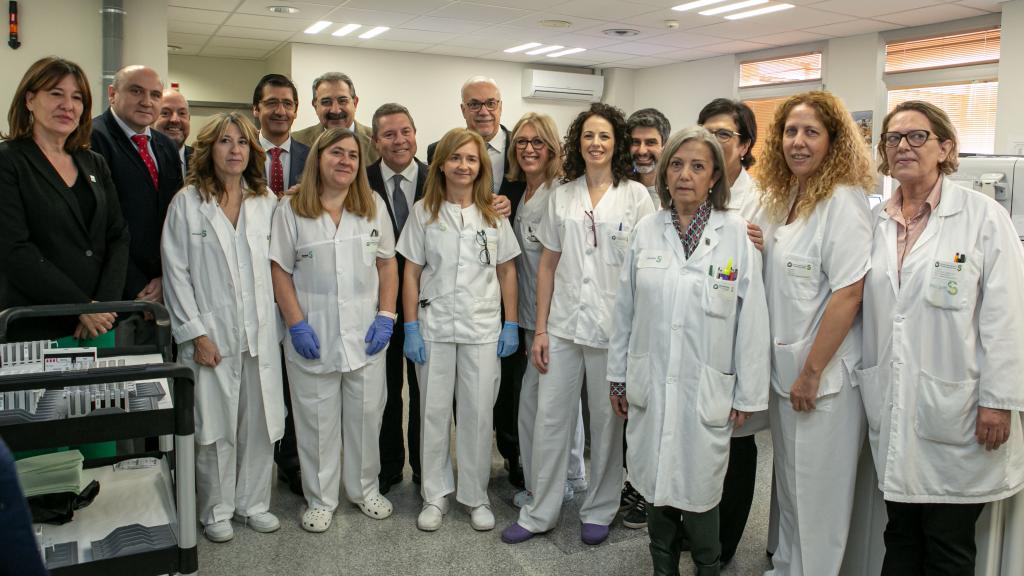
<point x="379" y="334"/>
<point x="414" y="348"/>
<point x="508" y="342"/>
<point x="304" y="340"/>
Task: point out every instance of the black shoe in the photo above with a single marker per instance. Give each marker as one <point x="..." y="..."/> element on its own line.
<point x="515" y="475"/>
<point x="292" y="477"/>
<point x="385" y="482"/>
<point x="629" y="497"/>
<point x="636" y="517"/>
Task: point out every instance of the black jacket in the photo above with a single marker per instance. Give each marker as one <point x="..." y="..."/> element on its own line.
<point x="513" y="190"/>
<point x="143" y="206"/>
<point x="48" y="253"/>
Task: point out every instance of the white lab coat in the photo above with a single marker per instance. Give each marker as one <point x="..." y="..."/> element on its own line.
<point x="687" y="361"/>
<point x="334" y="269"/>
<point x="939" y="344"/>
<point x="584" y="292"/>
<point x="458" y="303"/>
<point x="201" y="299"/>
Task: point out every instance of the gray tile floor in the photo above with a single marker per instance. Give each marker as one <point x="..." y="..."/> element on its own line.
<point x="358" y="545"/>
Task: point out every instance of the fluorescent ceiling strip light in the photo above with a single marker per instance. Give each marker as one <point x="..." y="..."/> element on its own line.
<point x="697" y="4"/>
<point x="566" y="52"/>
<point x="759" y="11"/>
<point x="346" y="29"/>
<point x="732" y="7"/>
<point x="374" y="32"/>
<point x="522" y="47"/>
<point x="318" y="27"/>
<point x="545" y="50"/>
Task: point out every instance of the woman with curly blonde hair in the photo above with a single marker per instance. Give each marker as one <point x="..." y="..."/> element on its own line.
<point x="815" y="172"/>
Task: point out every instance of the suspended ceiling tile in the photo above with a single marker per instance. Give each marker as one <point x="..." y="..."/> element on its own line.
<point x="479" y="12"/>
<point x="986" y="5"/>
<point x="406" y="6"/>
<point x="459" y="51"/>
<point x="607" y="9"/>
<point x="422" y="36"/>
<point x="191" y="27"/>
<point x="434" y="24"/>
<point x="798" y="18"/>
<point x="789" y="38"/>
<point x="932" y="15"/>
<point x="221" y="5"/>
<point x="638" y="48"/>
<point x="308" y="11"/>
<point x="241" y="53"/>
<point x="259" y="33"/>
<point x="268" y="21"/>
<point x="854" y="27"/>
<point x="682" y="39"/>
<point x="345" y="15"/>
<point x="246" y="43"/>
<point x="871" y="8"/>
<point x="193" y="15"/>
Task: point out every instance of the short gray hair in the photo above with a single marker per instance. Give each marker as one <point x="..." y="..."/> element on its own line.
<point x="719" y="193"/>
<point x="334" y="77"/>
<point x="478" y="79"/>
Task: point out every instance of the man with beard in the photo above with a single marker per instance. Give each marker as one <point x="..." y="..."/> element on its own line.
<point x="335" y="102"/>
<point x="648" y="130"/>
<point x="174" y="122"/>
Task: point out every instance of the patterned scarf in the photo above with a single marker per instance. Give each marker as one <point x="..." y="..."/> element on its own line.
<point x="691" y="236"/>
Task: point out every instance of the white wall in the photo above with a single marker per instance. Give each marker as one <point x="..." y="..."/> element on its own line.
<point x="79" y="39"/>
<point x="216" y="79"/>
<point x="1010" y="113"/>
<point x="679" y="91"/>
<point x="853" y="69"/>
<point x="427" y="84"/>
<point x="145" y="35"/>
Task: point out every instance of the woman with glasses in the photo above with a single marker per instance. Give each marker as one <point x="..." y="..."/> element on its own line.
<point x="813" y="209"/>
<point x="534" y="158"/>
<point x="585" y="234"/>
<point x="684" y="397"/>
<point x="336" y="282"/>
<point x="218" y="289"/>
<point x="458" y="271"/>
<point x="943" y="372"/>
<point x="734" y="127"/>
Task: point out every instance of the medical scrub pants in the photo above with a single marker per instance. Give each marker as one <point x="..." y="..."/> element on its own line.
<point x="336" y="413"/>
<point x="469" y="374"/>
<point x="557" y="411"/>
<point x="234" y="476"/>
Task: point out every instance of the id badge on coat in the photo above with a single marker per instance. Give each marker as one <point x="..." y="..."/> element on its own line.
<point x="946" y="285"/>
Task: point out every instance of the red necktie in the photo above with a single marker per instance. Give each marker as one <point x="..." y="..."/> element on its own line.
<point x="141" y="141"/>
<point x="276" y="171"/>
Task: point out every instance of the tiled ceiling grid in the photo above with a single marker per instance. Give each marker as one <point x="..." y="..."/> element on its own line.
<point x="485" y="28"/>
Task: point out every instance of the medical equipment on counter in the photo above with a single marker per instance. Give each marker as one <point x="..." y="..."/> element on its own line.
<point x="997" y="177"/>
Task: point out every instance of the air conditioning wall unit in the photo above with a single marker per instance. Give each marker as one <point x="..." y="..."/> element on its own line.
<point x="562" y="86"/>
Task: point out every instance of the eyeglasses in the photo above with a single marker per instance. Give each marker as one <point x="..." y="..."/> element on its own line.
<point x="537" y="144"/>
<point x="485" y="254"/>
<point x="341" y="100"/>
<point x="724" y="134"/>
<point x="475" y="105"/>
<point x="916" y="138"/>
<point x="274" y="103"/>
<point x="591" y="224"/>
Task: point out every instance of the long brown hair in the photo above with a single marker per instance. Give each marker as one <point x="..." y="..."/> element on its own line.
<point x="847" y="161"/>
<point x="358" y="201"/>
<point x="202" y="174"/>
<point x="44" y="74"/>
<point x="434" y="189"/>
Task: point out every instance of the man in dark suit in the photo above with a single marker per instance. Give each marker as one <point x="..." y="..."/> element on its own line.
<point x="335" y="102"/>
<point x="394" y="135"/>
<point x="146" y="170"/>
<point x="481" y="108"/>
<point x="174" y="122"/>
<point x="274" y="103"/>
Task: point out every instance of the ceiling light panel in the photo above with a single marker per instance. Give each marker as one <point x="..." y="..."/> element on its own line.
<point x="695" y="4"/>
<point x="544" y="50"/>
<point x="373" y="32"/>
<point x="318" y="27"/>
<point x="566" y="52"/>
<point x="759" y="11"/>
<point x="346" y="29"/>
<point x="522" y="47"/>
<point x="732" y="7"/>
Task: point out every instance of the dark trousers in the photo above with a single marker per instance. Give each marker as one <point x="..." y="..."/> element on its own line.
<point x="930" y="539"/>
<point x="20" y="557"/>
<point x="392" y="443"/>
<point x="737" y="493"/>
<point x="286" y="453"/>
<point x="665" y="527"/>
<point x="506" y="407"/>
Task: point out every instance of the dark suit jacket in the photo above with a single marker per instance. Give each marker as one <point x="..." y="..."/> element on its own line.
<point x="299" y="154"/>
<point x="188" y="157"/>
<point x="48" y="253"/>
<point x="513" y="190"/>
<point x="144" y="207"/>
<point x="376" y="177"/>
<point x="308" y="135"/>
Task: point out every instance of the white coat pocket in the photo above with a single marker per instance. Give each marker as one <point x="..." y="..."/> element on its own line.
<point x="714" y="397"/>
<point x="801" y="276"/>
<point x="948" y="285"/>
<point x="370" y="243"/>
<point x="946" y="411"/>
<point x="613" y="240"/>
<point x="638" y="380"/>
<point x="871" y="393"/>
<point x="487" y="247"/>
<point x="719" y="297"/>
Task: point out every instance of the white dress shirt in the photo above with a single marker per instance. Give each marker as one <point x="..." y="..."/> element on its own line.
<point x="496" y="150"/>
<point x="409" y="176"/>
<point x="286" y="159"/>
<point x="129" y="133"/>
